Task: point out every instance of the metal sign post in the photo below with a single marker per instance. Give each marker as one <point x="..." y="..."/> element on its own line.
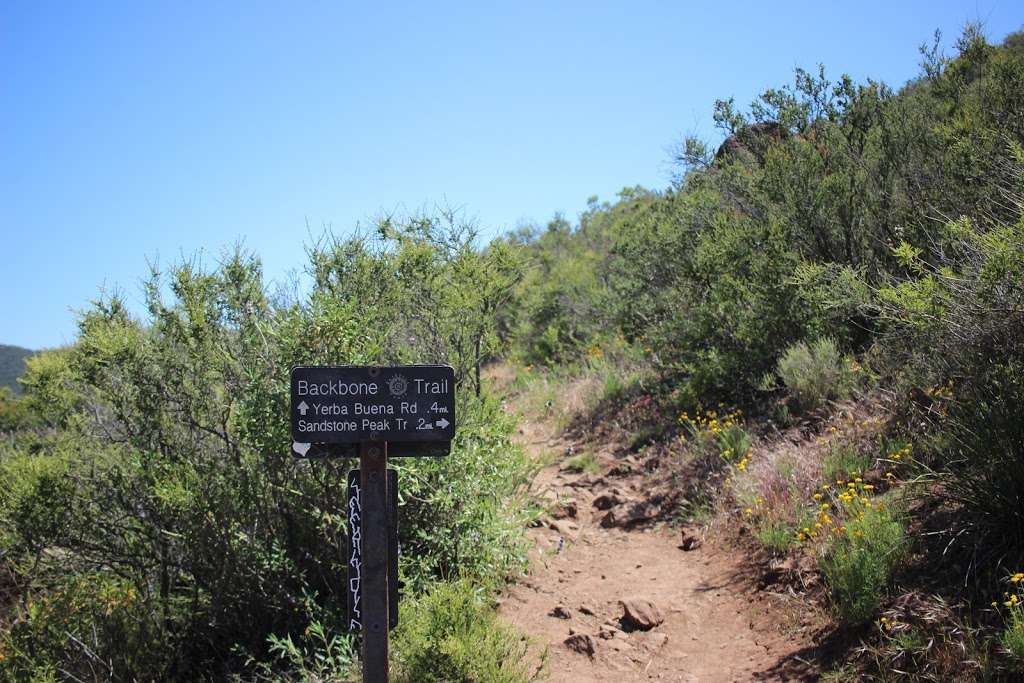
<point x="345" y="411"/>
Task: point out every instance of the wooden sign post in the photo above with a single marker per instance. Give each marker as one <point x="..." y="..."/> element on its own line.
<point x="349" y="411"/>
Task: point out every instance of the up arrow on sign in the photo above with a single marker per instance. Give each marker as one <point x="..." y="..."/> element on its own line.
<point x="302" y="408"/>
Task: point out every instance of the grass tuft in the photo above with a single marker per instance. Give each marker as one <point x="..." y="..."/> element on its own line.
<point x="585" y="463"/>
<point x="859" y="563"/>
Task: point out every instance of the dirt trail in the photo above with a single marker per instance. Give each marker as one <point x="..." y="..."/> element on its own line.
<point x="581" y="570"/>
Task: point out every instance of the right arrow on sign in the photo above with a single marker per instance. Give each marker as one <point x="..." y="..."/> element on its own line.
<point x="442" y="423"/>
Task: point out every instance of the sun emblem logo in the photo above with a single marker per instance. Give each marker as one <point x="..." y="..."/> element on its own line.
<point x="398" y="385"/>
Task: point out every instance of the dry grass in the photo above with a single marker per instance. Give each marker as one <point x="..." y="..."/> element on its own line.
<point x="921" y="637"/>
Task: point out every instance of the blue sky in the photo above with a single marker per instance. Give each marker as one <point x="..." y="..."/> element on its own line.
<point x="146" y="130"/>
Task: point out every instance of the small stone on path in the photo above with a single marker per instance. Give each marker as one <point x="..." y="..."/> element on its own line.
<point x="640" y="614"/>
<point x="560" y="612"/>
<point x="690" y="541"/>
<point x="581" y="643"/>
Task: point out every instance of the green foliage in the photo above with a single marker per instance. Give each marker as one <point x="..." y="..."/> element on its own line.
<point x="955" y="335"/>
<point x="584" y="462"/>
<point x="450" y="635"/>
<point x="317" y="656"/>
<point x="858" y="565"/>
<point x="50" y="396"/>
<point x="706" y="292"/>
<point x="844" y="461"/>
<point x="1013" y="635"/>
<point x="562" y="309"/>
<point x="169" y="472"/>
<point x="734" y="443"/>
<point x="775" y="535"/>
<point x="815" y="374"/>
<point x="464" y="515"/>
<point x="94" y="625"/>
<point x="36" y="501"/>
<point x="15" y="413"/>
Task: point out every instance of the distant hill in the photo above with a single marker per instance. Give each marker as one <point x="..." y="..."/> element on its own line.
<point x="12" y="365"/>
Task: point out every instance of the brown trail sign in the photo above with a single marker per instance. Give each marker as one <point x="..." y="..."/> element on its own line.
<point x="345" y="411"/>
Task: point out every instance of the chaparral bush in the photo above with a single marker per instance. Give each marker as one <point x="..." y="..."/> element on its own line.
<point x="160" y="529"/>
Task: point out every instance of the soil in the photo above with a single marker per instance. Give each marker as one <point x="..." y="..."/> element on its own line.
<point x="717" y="622"/>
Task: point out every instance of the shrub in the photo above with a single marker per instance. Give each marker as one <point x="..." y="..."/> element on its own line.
<point x="815" y="373"/>
<point x="464" y="515"/>
<point x="450" y="635"/>
<point x="734" y="443"/>
<point x="319" y="655"/>
<point x="1013" y="635"/>
<point x="859" y="563"/>
<point x="14" y="413"/>
<point x="171" y="474"/>
<point x="584" y="462"/>
<point x="956" y="330"/>
<point x="776" y="534"/>
<point x="90" y="627"/>
<point x="845" y="460"/>
<point x="711" y="433"/>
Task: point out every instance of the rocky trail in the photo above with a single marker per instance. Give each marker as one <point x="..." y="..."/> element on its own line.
<point x="616" y="595"/>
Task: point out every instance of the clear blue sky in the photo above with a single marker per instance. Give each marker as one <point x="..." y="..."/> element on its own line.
<point x="143" y="130"/>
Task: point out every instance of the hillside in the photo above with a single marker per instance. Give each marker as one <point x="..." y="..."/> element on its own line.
<point x="764" y="424"/>
<point x="12" y="365"/>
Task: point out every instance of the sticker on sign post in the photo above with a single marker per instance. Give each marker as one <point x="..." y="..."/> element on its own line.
<point x="355" y="551"/>
<point x="354" y="404"/>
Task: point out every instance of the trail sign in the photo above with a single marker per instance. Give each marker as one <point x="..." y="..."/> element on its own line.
<point x="355" y="404"/>
<point x="351" y="450"/>
<point x="345" y="411"/>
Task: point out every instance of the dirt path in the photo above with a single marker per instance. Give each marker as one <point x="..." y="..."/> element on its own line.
<point x="582" y="570"/>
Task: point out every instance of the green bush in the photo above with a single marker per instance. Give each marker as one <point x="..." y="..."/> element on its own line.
<point x="15" y="414"/>
<point x="170" y="470"/>
<point x="815" y="374"/>
<point x="562" y="309"/>
<point x="1013" y="635"/>
<point x="583" y="463"/>
<point x="464" y="515"/>
<point x="94" y="627"/>
<point x="858" y="564"/>
<point x="775" y="534"/>
<point x="956" y="331"/>
<point x="451" y="635"/>
<point x="37" y="496"/>
<point x="320" y="655"/>
<point x="844" y="461"/>
<point x="734" y="443"/>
